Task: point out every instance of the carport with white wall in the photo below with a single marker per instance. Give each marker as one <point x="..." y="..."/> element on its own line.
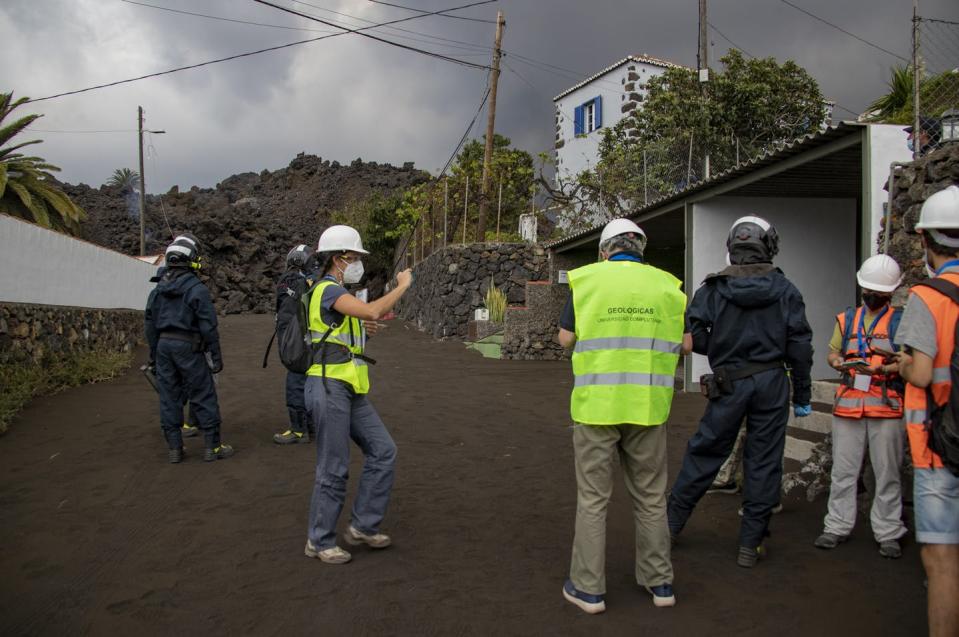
<point x="823" y="193"/>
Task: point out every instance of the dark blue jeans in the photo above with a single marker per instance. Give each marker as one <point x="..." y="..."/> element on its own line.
<point x="763" y="399"/>
<point x="341" y="415"/>
<point x="183" y="374"/>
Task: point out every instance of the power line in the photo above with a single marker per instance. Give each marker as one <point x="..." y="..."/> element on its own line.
<point x="469" y="47"/>
<point x="725" y="37"/>
<point x="248" y="54"/>
<point x="47" y="130"/>
<point x="214" y="17"/>
<point x="479" y="47"/>
<point x="839" y="28"/>
<point x="377" y="38"/>
<point x="436" y="181"/>
<point x="457" y="17"/>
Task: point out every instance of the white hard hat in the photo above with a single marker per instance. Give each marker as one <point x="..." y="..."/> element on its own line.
<point x="340" y="238"/>
<point x="879" y="273"/>
<point x="941" y="211"/>
<point x="617" y="227"/>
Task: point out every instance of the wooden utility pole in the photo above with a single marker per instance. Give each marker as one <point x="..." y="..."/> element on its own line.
<point x="702" y="60"/>
<point x="490" y="130"/>
<point x="143" y="191"/>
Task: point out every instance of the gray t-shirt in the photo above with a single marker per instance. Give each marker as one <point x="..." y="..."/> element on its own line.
<point x="917" y="329"/>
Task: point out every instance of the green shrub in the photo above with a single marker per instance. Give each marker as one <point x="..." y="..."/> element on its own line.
<point x="495" y="302"/>
<point x="20" y="382"/>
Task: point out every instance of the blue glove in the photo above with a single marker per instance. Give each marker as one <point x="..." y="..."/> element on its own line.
<point x="801" y="411"/>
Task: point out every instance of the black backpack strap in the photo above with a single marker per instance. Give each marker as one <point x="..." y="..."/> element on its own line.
<point x="894" y="321"/>
<point x="944" y="287"/>
<point x="266" y="355"/>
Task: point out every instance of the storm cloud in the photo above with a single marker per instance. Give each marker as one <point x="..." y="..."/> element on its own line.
<point x="349" y="97"/>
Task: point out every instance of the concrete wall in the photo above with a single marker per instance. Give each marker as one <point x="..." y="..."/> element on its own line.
<point x="885" y="144"/>
<point x="45" y="267"/>
<point x="817" y="253"/>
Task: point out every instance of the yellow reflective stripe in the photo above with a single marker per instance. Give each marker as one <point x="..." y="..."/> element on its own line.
<point x="941" y="374"/>
<point x="624" y="378"/>
<point x="627" y="342"/>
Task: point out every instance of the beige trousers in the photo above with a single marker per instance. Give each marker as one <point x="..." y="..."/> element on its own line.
<point x="642" y="453"/>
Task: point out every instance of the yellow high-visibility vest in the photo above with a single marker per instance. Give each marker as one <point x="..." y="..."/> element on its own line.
<point x="629" y="333"/>
<point x="341" y="364"/>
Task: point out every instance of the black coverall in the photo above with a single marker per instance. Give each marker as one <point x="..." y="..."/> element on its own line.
<point x="181" y="327"/>
<point x="745" y="314"/>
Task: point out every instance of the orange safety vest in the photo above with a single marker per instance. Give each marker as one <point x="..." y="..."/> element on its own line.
<point x="882" y="400"/>
<point x="945" y="313"/>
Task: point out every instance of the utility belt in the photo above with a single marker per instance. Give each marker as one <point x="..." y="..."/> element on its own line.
<point x="885" y="383"/>
<point x="193" y="338"/>
<point x="720" y="382"/>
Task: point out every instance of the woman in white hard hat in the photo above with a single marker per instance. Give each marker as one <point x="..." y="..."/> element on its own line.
<point x="336" y="395"/>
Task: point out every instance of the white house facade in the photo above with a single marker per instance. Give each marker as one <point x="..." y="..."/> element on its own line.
<point x="598" y="102"/>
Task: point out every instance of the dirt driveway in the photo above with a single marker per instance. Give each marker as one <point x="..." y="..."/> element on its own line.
<point x="99" y="535"/>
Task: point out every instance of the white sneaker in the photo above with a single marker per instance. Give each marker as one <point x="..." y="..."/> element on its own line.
<point x="332" y="555"/>
<point x="376" y="541"/>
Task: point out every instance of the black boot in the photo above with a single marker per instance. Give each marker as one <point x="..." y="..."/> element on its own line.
<point x="174" y="443"/>
<point x="296" y="433"/>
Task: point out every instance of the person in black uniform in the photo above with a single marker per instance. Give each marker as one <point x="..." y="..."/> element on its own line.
<point x="750" y="321"/>
<point x="189" y="429"/>
<point x="181" y="330"/>
<point x="296" y="280"/>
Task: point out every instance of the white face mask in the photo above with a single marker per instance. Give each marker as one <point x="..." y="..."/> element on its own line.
<point x="353" y="272"/>
<point x="931" y="271"/>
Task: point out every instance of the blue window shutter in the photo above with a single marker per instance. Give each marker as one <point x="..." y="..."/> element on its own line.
<point x="578" y="128"/>
<point x="598" y="110"/>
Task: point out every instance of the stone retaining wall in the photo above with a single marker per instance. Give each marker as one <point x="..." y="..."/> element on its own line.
<point x="36" y="333"/>
<point x="530" y="330"/>
<point x="914" y="183"/>
<point x="450" y="283"/>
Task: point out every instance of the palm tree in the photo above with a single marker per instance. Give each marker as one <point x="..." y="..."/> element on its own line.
<point x="888" y="106"/>
<point x="125" y="179"/>
<point x="27" y="187"/>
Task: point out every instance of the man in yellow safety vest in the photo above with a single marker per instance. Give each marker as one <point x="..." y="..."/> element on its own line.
<point x="625" y="322"/>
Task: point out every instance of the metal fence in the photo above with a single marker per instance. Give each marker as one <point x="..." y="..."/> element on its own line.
<point x="935" y="91"/>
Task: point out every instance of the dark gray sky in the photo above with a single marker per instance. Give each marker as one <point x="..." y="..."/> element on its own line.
<point x="350" y="97"/>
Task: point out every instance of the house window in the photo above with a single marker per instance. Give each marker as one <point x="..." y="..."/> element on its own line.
<point x="588" y="117"/>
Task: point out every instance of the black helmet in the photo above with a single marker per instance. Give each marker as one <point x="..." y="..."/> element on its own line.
<point x="299" y="256"/>
<point x="183" y="253"/>
<point x="752" y="240"/>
